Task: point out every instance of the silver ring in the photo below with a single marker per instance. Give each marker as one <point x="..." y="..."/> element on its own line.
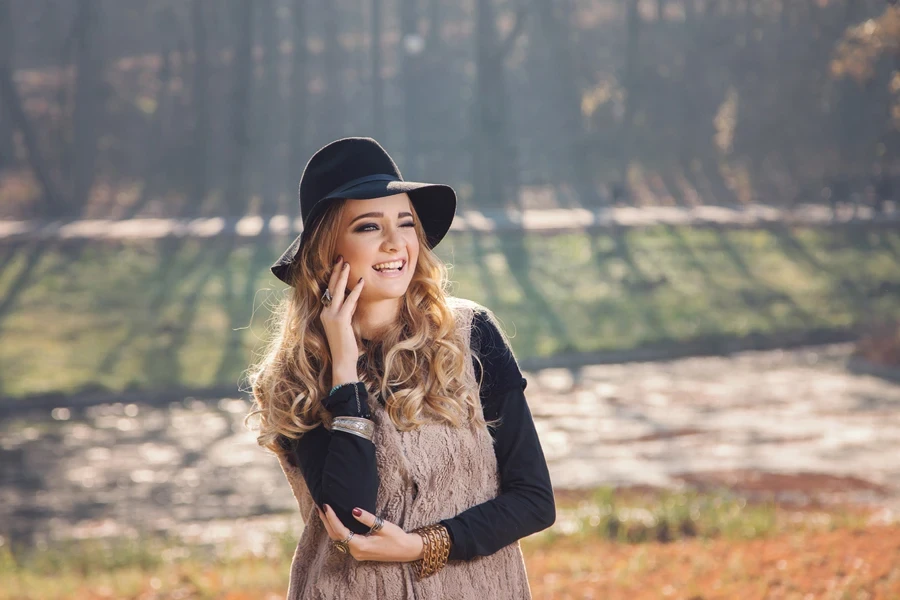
<point x="377" y="525"/>
<point x="326" y="297"/>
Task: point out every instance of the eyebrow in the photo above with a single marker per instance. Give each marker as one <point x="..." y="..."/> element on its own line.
<point x="378" y="215"/>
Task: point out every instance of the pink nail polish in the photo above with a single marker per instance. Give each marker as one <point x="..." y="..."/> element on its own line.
<point x="356" y="512"/>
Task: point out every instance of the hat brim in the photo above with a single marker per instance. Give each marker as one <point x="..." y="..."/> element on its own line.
<point x="435" y="205"/>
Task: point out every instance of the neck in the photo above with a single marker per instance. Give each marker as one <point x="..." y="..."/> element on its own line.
<point x="375" y="317"/>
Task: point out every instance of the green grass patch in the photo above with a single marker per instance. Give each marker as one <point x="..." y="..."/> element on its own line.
<point x="172" y="313"/>
<point x="166" y="567"/>
<point x="668" y="516"/>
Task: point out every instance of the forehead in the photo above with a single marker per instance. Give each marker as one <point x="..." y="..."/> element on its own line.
<point x="389" y="205"/>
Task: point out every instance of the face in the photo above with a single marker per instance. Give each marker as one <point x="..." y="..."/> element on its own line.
<point x="372" y="233"/>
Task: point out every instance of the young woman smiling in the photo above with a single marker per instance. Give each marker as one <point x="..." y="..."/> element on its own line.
<point x="397" y="411"/>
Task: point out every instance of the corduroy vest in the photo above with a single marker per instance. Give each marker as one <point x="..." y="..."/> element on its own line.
<point x="434" y="472"/>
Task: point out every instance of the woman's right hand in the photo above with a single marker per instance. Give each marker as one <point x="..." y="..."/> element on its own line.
<point x="337" y="321"/>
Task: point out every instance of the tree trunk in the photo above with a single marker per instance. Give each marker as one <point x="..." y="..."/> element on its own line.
<point x="569" y="94"/>
<point x="12" y="112"/>
<point x="629" y="79"/>
<point x="378" y="127"/>
<point x="333" y="122"/>
<point x="268" y="102"/>
<point x="410" y="61"/>
<point x="200" y="106"/>
<point x="435" y="41"/>
<point x="236" y="195"/>
<point x="88" y="103"/>
<point x="7" y="147"/>
<point x="495" y="172"/>
<point x="299" y="103"/>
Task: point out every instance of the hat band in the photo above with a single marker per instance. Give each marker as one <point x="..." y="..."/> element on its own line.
<point x="360" y="180"/>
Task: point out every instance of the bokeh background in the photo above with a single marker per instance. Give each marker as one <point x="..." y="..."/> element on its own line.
<point x="686" y="214"/>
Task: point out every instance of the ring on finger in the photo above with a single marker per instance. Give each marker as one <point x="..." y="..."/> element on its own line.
<point x="326" y="297"/>
<point x="344" y="544"/>
<point x="377" y="525"/>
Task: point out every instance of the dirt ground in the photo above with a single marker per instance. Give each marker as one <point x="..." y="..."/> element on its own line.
<point x="795" y="427"/>
<point x="845" y="564"/>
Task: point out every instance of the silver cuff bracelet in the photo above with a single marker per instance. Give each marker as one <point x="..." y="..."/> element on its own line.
<point x="364" y="428"/>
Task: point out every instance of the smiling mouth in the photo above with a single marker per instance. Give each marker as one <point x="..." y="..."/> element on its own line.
<point x="395" y="270"/>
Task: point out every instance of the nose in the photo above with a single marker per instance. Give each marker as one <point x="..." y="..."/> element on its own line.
<point x="391" y="238"/>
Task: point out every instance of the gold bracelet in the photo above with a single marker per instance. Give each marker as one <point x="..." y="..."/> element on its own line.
<point x="436" y="542"/>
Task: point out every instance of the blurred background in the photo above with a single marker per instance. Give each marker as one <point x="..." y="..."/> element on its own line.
<point x="685" y="213"/>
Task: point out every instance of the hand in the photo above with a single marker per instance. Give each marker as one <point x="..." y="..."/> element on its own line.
<point x="337" y="321"/>
<point x="391" y="544"/>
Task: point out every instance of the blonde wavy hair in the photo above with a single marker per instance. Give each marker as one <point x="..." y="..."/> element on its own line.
<point x="422" y="376"/>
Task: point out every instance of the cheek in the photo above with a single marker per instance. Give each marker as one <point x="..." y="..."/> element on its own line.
<point x="357" y="255"/>
<point x="413" y="246"/>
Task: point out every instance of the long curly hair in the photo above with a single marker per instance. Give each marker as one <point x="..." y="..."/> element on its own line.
<point x="418" y="367"/>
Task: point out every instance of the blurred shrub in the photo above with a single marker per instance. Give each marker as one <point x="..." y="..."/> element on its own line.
<point x="880" y="344"/>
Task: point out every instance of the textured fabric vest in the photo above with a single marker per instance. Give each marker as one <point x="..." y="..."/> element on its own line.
<point x="429" y="474"/>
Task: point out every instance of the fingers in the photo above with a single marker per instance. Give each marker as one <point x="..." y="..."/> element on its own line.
<point x="337" y="527"/>
<point x="352" y="299"/>
<point x="364" y="517"/>
<point x="338" y="285"/>
<point x="327" y="525"/>
<point x="335" y="273"/>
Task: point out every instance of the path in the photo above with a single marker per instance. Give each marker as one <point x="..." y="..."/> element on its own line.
<point x="536" y="220"/>
<point x="795" y="423"/>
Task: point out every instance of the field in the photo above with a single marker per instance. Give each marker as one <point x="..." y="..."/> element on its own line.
<point x="188" y="314"/>
<point x="636" y="543"/>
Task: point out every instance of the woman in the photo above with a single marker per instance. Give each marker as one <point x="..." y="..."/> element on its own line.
<point x="396" y="411"/>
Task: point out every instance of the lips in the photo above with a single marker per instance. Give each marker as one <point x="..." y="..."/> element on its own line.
<point x="402" y="266"/>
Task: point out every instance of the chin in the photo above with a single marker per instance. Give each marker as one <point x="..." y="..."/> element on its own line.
<point x="385" y="292"/>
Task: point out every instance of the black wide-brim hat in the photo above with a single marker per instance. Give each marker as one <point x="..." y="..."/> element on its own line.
<point x="358" y="168"/>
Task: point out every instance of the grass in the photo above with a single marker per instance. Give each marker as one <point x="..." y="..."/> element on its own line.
<point x="574" y="557"/>
<point x="189" y="313"/>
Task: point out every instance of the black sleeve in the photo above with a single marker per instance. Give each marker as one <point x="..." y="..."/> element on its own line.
<point x="525" y="504"/>
<point x="339" y="468"/>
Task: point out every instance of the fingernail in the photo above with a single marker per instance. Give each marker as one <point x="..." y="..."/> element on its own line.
<point x="338" y="259"/>
<point x="327" y="507"/>
<point x="356" y="512"/>
<point x="346" y="264"/>
<point x="360" y="280"/>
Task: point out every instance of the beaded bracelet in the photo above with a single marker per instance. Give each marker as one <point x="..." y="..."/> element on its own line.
<point x="355" y="392"/>
<point x="339" y="386"/>
<point x="436" y="541"/>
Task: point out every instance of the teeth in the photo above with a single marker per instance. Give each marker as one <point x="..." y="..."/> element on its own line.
<point x="389" y="265"/>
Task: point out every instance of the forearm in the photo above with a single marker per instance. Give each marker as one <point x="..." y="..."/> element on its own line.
<point x="339" y="467"/>
<point x="525" y="504"/>
<point x="486" y="528"/>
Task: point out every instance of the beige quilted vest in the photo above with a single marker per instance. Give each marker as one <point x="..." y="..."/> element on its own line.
<point x="429" y="474"/>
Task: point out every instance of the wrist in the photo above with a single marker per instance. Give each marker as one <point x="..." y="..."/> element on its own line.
<point x="416" y="547"/>
<point x="435" y="551"/>
<point x="339" y="376"/>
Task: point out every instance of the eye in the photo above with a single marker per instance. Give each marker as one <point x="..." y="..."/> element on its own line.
<point x="366" y="227"/>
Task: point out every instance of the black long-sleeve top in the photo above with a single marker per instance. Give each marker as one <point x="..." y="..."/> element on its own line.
<point x="340" y="469"/>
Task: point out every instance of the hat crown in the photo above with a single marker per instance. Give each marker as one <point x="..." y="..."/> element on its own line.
<point x="338" y="163"/>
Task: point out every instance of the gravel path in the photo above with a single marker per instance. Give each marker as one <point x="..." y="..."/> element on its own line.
<point x="796" y="424"/>
<point x="534" y="220"/>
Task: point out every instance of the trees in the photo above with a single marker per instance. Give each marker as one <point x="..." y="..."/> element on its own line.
<point x="13" y="114"/>
<point x="202" y="98"/>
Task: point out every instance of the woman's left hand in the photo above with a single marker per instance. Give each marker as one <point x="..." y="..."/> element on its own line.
<point x="390" y="544"/>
